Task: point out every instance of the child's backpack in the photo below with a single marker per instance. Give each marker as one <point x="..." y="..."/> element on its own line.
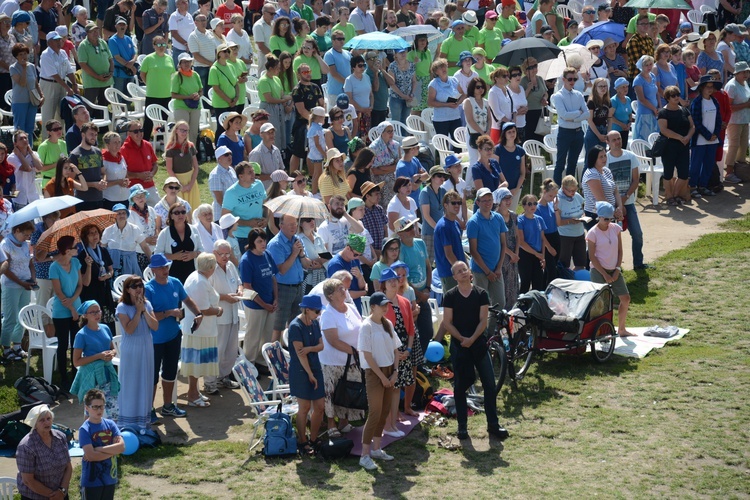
<point x="205" y="148"/>
<point x="423" y="391"/>
<point x="36" y="389"/>
<point x="280" y="440"/>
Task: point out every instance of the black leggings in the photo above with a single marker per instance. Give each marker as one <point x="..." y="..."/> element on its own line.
<point x="550" y="262"/>
<point x="65" y="328"/>
<point x="530" y="271"/>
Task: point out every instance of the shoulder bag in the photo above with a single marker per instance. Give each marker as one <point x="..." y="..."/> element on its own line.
<point x="350" y="394"/>
<point x="544" y="125"/>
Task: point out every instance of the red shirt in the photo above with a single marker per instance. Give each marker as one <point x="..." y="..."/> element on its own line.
<point x="225" y="14"/>
<point x="139" y="159"/>
<point x="405" y="308"/>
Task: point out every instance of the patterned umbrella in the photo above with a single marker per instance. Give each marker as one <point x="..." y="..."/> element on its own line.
<point x="298" y="206"/>
<point x="71" y="226"/>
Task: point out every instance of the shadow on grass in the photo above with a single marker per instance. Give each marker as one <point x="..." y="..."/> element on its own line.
<point x="486" y="462"/>
<point x="317" y="475"/>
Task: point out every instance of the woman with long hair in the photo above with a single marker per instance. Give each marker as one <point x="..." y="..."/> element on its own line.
<point x="600" y="114"/>
<point x="100" y="269"/>
<point x="518" y="98"/>
<point x="501" y="106"/>
<point x="309" y="54"/>
<point x="726" y="39"/>
<point x="42" y="259"/>
<point x="288" y="79"/>
<point x="337" y="135"/>
<point x="299" y="186"/>
<point x="333" y="180"/>
<point x="533" y="246"/>
<point x="401" y="205"/>
<point x="512" y="157"/>
<point x="359" y="173"/>
<point x="115" y="171"/>
<point x="477" y="114"/>
<point x="282" y="37"/>
<point x="181" y="159"/>
<point x="68" y="179"/>
<point x="422" y="58"/>
<point x="144" y="218"/>
<point x="179" y="242"/>
<point x="389" y="255"/>
<point x="137" y="319"/>
<point x="273" y="99"/>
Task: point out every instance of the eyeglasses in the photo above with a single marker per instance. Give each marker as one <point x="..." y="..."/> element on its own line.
<point x="136" y="286"/>
<point x="160" y="45"/>
<point x="136" y="131"/>
<point x="56" y="129"/>
<point x="515" y="75"/>
<point x="601" y="86"/>
<point x="98" y="311"/>
<point x="183" y="130"/>
<point x="535" y="66"/>
<point x="179" y="212"/>
<point x="316" y="311"/>
<point x="487" y="148"/>
<point x="355" y="254"/>
<point x="605" y="219"/>
<point x="572" y="79"/>
<point x="360" y="65"/>
<point x="456" y="203"/>
<point x="531" y="203"/>
<point x="394" y="248"/>
<point x="96" y="407"/>
<point x="173" y="187"/>
<point x="589" y="12"/>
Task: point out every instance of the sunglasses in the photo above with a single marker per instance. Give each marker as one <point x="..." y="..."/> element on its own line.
<point x="532" y="67"/>
<point x="572" y="79"/>
<point x="589" y="12"/>
<point x="56" y="129"/>
<point x="355" y="254"/>
<point x="179" y="212"/>
<point x="338" y="117"/>
<point x="479" y="87"/>
<point x="531" y="203"/>
<point x="173" y="187"/>
<point x="360" y="65"/>
<point x="316" y="311"/>
<point x="303" y="221"/>
<point x="136" y="286"/>
<point x="515" y="75"/>
<point x="305" y="72"/>
<point x="456" y="203"/>
<point x="160" y="45"/>
<point x="136" y="131"/>
<point x="606" y="219"/>
<point x="299" y="183"/>
<point x="339" y="39"/>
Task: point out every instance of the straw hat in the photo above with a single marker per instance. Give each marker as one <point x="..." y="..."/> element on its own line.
<point x="332" y="154"/>
<point x="231" y="116"/>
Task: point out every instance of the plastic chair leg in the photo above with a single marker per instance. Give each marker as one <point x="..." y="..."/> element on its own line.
<point x="655" y="189"/>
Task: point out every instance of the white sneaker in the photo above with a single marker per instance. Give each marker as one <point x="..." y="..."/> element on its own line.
<point x="396" y="434"/>
<point x="367" y="463"/>
<point x="381" y="455"/>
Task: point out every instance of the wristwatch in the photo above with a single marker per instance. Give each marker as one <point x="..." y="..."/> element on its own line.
<point x="64" y="490"/>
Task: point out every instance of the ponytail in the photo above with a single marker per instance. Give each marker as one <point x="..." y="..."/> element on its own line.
<point x="386" y="325"/>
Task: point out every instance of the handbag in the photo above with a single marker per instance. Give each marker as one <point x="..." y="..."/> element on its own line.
<point x="544" y="125"/>
<point x="417" y="96"/>
<point x="657" y="150"/>
<point x="350" y="394"/>
<point x="35" y="97"/>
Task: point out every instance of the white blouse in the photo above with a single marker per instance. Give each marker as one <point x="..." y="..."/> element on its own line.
<point x="203" y="294"/>
<point x="128" y="239"/>
<point x="208" y="240"/>
<point x="147" y="227"/>
<point x="227" y="282"/>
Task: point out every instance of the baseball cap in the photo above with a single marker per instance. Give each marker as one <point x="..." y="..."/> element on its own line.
<point x="266" y="127"/>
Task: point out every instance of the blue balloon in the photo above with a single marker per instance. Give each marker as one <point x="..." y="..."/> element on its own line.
<point x="131" y="442"/>
<point x="435" y="352"/>
<point x="582" y="275"/>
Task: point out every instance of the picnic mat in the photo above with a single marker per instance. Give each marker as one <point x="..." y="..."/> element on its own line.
<point x="406" y="426"/>
<point x="639" y="346"/>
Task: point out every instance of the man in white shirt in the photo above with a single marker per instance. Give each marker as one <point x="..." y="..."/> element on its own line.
<point x="26" y="164"/>
<point x="262" y="30"/>
<point x="335" y="231"/>
<point x="571" y="111"/>
<point x="181" y="24"/>
<point x="221" y="178"/>
<point x="363" y="21"/>
<point x="201" y="44"/>
<point x="56" y="78"/>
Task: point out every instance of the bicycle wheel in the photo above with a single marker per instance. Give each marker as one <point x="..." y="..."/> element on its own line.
<point x="499" y="364"/>
<point x="602" y="349"/>
<point x="522" y="347"/>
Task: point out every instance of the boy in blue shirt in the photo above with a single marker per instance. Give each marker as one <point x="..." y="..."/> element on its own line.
<point x="101" y="442"/>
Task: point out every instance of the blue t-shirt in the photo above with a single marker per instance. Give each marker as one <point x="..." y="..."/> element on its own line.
<point x="570" y="208"/>
<point x="547" y="212"/>
<point x="623" y="111"/>
<point x="163" y="298"/>
<point x="410" y="169"/>
<point x="280" y="248"/>
<point x="490" y="178"/>
<point x="649" y="93"/>
<point x="257" y="270"/>
<point x="511" y="163"/>
<point x="427" y="196"/>
<point x="237" y="148"/>
<point x="68" y="283"/>
<point x="360" y="89"/>
<point x="338" y="264"/>
<point x="104" y="473"/>
<point x="532" y="230"/>
<point x="447" y="232"/>
<point x="245" y="203"/>
<point x="93" y="341"/>
<point x="487" y="233"/>
<point x="124" y="48"/>
<point x="309" y="336"/>
<point x="341" y="61"/>
<point x="415" y="257"/>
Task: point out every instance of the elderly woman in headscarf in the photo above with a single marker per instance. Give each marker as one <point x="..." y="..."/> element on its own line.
<point x="387" y="154"/>
<point x="123" y="239"/>
<point x="44" y="467"/>
<point x="20" y="32"/>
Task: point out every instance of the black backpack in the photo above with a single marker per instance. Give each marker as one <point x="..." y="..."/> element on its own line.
<point x="36" y="389"/>
<point x="333" y="449"/>
<point x="205" y="149"/>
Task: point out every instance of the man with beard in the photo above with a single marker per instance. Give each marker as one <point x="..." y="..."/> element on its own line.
<point x="88" y="158"/>
<point x="335" y="231"/>
<point x="73" y="136"/>
<point x="306" y="95"/>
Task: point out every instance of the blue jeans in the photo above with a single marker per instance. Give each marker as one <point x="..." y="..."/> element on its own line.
<point x="569" y="145"/>
<point x="591" y="140"/>
<point x="24" y="115"/>
<point x="636" y="234"/>
<point x="242" y="242"/>
<point x="121" y="83"/>
<point x="702" y="160"/>
<point x="464" y="361"/>
<point x="203" y="73"/>
<point x="399" y="110"/>
<point x="13" y="300"/>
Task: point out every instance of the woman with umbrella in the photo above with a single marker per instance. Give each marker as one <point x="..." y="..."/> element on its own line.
<point x="179" y="242"/>
<point x="96" y="263"/>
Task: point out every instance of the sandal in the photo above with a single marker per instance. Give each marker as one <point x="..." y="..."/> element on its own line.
<point x="334" y="433"/>
<point x="306" y="449"/>
<point x="199" y="403"/>
<point x="672" y="202"/>
<point x="346" y="429"/>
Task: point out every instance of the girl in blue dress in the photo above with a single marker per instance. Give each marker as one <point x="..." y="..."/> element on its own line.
<point x="305" y="372"/>
<point x="648" y="100"/>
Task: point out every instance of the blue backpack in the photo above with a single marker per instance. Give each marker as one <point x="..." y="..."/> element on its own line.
<point x="280" y="440"/>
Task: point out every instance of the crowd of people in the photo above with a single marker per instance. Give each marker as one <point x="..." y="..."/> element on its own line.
<point x="399" y="229"/>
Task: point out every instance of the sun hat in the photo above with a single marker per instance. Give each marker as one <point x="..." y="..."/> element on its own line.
<point x="403" y="224"/>
<point x="228" y="220"/>
<point x="410" y="142"/>
<point x="388" y="241"/>
<point x="451" y="160"/>
<point x="266" y="127"/>
<point x="256" y="167"/>
<point x="368" y="186"/>
<point x="354" y="203"/>
<point x="702" y="41"/>
<point x="692" y="37"/>
<point x="463" y="56"/>
<point x="741" y="66"/>
<point x="470" y="18"/>
<point x="500" y="194"/>
<point x="232" y="116"/>
<point x="222" y="47"/>
<point x="119" y="207"/>
<point x="185" y="56"/>
<point x="387" y="274"/>
<point x="280" y="175"/>
<point x="732" y="28"/>
<point x="438" y="170"/>
<point x="170" y="180"/>
<point x="159" y="260"/>
<point x="594" y="43"/>
<point x="400" y="264"/>
<point x="707" y="79"/>
<point x="356" y="242"/>
<point x="621" y="81"/>
<point x="135" y="190"/>
<point x="332" y="154"/>
<point x="221" y="151"/>
<point x="85" y="306"/>
<point x="478" y="51"/>
<point x="608" y="41"/>
<point x="379" y="298"/>
<point x="605" y="210"/>
<point x="215" y="22"/>
<point x="311" y="302"/>
<point x="231" y="44"/>
<point x="483" y="192"/>
<point x="33" y="416"/>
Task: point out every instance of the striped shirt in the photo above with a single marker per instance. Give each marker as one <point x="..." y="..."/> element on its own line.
<point x="220" y="179"/>
<point x="203" y="44"/>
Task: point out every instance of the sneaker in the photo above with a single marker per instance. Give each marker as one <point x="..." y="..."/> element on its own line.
<point x="396" y="434"/>
<point x="707" y="192"/>
<point x="154" y="417"/>
<point x="10" y="355"/>
<point x="229" y="383"/>
<point x="172" y="411"/>
<point x="462" y="434"/>
<point x="381" y="455"/>
<point x="210" y="389"/>
<point x="367" y="463"/>
<point x="695" y="194"/>
<point x="499" y="433"/>
<point x="732" y="179"/>
<point x="20" y="352"/>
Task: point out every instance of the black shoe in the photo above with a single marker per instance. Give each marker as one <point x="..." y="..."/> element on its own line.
<point x="499" y="433"/>
<point x="462" y="434"/>
<point x="642" y="266"/>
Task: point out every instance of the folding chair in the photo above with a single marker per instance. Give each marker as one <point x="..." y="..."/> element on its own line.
<point x="277" y="361"/>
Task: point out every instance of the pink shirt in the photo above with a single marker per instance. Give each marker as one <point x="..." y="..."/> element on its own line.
<point x="606" y="244"/>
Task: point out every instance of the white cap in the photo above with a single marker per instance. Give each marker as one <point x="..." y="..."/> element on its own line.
<point x="483" y="192"/>
<point x="227" y="221"/>
<point x="221" y="151"/>
<point x="266" y="127"/>
<point x="280" y="175"/>
<point x="318" y="111"/>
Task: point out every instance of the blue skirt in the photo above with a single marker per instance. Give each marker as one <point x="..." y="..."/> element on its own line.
<point x="300" y="386"/>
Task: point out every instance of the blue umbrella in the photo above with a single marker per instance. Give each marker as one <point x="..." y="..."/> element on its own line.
<point x="601" y="31"/>
<point x="377" y="40"/>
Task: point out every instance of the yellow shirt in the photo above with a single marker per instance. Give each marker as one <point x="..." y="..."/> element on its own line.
<point x="327" y="188"/>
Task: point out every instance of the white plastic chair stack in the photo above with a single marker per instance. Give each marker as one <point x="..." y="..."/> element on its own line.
<point x="120" y="105"/>
<point x="116" y="342"/>
<point x="696" y="18"/>
<point x="649" y="167"/>
<point x="7" y="487"/>
<point x="534" y="150"/>
<point x="31" y="317"/>
<point x="159" y="115"/>
<point x="105" y="121"/>
<point x="365" y="306"/>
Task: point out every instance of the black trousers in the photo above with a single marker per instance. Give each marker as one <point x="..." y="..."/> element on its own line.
<point x="65" y="329"/>
<point x="530" y="271"/>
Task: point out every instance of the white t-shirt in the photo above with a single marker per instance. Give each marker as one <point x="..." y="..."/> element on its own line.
<point x="243" y="40"/>
<point x="374" y="339"/>
<point x="622" y="170"/>
<point x="347" y="325"/>
<point x="463" y="80"/>
<point x="27" y="191"/>
<point x="708" y="114"/>
<point x="519" y="100"/>
<point x="127" y="240"/>
<point x="396" y="206"/>
<point x="183" y="25"/>
<point x="334" y="233"/>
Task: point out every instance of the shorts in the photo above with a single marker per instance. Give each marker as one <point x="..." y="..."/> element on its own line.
<point x="676" y="155"/>
<point x="619" y="287"/>
<point x="299" y="139"/>
<point x="166" y="357"/>
<point x="378" y="3"/>
<point x="288" y="299"/>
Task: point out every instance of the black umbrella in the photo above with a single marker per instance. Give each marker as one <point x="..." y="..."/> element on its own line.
<point x="516" y="52"/>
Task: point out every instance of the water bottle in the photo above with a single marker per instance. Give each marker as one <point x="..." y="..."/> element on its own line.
<point x="506" y="344"/>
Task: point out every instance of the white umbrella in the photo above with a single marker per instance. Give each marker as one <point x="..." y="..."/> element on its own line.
<point x="554" y="68"/>
<point x="40" y="208"/>
<point x="409" y="32"/>
<point x="298" y="206"/>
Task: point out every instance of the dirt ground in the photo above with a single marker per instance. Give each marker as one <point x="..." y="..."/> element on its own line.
<point x="665" y="229"/>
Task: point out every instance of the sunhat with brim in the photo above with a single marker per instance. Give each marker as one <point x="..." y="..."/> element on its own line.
<point x="135" y="190"/>
<point x="388" y="242"/>
<point x="33" y="416"/>
<point x="368" y="186"/>
<point x="227" y="221"/>
<point x="707" y="79"/>
<point x="732" y="28"/>
<point x="232" y="116"/>
<point x="311" y="302"/>
<point x="741" y="66"/>
<point x="470" y="18"/>
<point x="464" y="56"/>
<point x="451" y="160"/>
<point x="221" y="151"/>
<point x="409" y="142"/>
<point x="332" y="154"/>
<point x="170" y="180"/>
<point x="608" y="41"/>
<point x="594" y="43"/>
<point x="702" y="41"/>
<point x="159" y="260"/>
<point x="438" y="170"/>
<point x="500" y="194"/>
<point x="185" y="56"/>
<point x="215" y="22"/>
<point x="221" y="48"/>
<point x="692" y="37"/>
<point x="400" y="264"/>
<point x="403" y="224"/>
<point x="604" y="210"/>
<point x="387" y="274"/>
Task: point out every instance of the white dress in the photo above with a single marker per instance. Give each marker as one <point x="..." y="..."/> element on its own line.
<point x="200" y="354"/>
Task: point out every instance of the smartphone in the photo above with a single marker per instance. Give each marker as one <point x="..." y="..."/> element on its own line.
<point x="244" y="74"/>
<point x="194" y="327"/>
<point x="325" y="255"/>
<point x="451" y="100"/>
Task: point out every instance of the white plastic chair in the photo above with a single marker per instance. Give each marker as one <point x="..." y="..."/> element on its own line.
<point x="249" y="110"/>
<point x="159" y="115"/>
<point x="696" y="18"/>
<point x="437" y="314"/>
<point x="148" y="274"/>
<point x="116" y="342"/>
<point x="136" y="90"/>
<point x="365" y="306"/>
<point x="7" y="487"/>
<point x="550" y="141"/>
<point x="649" y="167"/>
<point x="634" y="105"/>
<point x="534" y="151"/>
<point x="462" y="137"/>
<point x="120" y="108"/>
<point x="31" y="318"/>
<point x="105" y="121"/>
<point x="117" y="286"/>
<point x="652" y="138"/>
<point x="564" y="11"/>
<point x="444" y="146"/>
<point x="420" y="129"/>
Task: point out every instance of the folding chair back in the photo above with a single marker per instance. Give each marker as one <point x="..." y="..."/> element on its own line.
<point x="277" y="360"/>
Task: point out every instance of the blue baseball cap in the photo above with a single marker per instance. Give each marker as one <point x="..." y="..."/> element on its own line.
<point x="388" y="274"/>
<point x="342" y="101"/>
<point x="605" y="210"/>
<point x="686" y="26"/>
<point x="458" y="22"/>
<point x="159" y="260"/>
<point x="119" y="207"/>
<point x="621" y="81"/>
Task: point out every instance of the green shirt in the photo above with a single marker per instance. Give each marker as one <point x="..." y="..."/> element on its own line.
<point x="279" y="43"/>
<point x="506" y="25"/>
<point x="225" y="78"/>
<point x="564" y="42"/>
<point x="305" y="12"/>
<point x="240" y="67"/>
<point x="270" y="85"/>
<point x="98" y="59"/>
<point x="324" y="42"/>
<point x="184" y="85"/>
<point x="310" y="61"/>
<point x="425" y="61"/>
<point x="452" y="48"/>
<point x="159" y="71"/>
<point x="472" y="34"/>
<point x="633" y="20"/>
<point x="50" y="152"/>
<point x="484" y="74"/>
<point x="492" y="40"/>
<point x="349" y="31"/>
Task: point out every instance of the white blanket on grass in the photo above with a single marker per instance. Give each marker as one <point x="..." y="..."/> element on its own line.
<point x="639" y="346"/>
